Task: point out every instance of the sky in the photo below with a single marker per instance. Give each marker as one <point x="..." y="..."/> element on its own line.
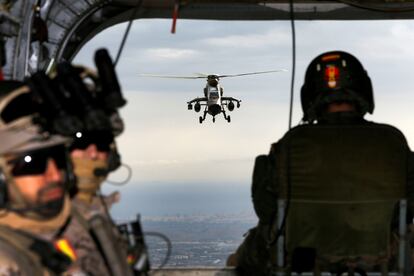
<point x="174" y="158"/>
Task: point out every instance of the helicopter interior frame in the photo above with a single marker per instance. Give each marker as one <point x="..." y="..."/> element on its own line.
<point x="72" y="23"/>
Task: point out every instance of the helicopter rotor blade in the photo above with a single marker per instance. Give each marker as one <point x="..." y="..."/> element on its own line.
<point x="171" y="77"/>
<point x="252" y="73"/>
<point x="204" y="75"/>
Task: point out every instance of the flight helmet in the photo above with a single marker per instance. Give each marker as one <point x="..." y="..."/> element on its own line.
<point x="335" y="76"/>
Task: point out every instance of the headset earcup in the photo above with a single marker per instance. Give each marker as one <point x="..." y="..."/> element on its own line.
<point x="70" y="178"/>
<point x="304" y="103"/>
<point x="114" y="160"/>
<point x="370" y="93"/>
<point x="3" y="190"/>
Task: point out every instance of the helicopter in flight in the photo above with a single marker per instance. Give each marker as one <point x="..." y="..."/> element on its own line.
<point x="213" y="101"/>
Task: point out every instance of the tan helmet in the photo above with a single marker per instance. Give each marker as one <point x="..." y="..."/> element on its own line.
<point x="21" y="134"/>
<point x="18" y="136"/>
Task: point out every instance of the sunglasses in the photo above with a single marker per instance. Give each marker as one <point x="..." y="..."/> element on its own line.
<point x="35" y="162"/>
<point x="102" y="140"/>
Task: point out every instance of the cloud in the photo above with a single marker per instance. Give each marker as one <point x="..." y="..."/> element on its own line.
<point x="391" y="43"/>
<point x="161" y="162"/>
<point x="262" y="40"/>
<point x="166" y="54"/>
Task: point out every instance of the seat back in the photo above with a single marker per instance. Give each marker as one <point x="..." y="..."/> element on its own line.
<point x="342" y="184"/>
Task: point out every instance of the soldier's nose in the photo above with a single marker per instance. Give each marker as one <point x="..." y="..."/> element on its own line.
<point x="92" y="151"/>
<point x="52" y="173"/>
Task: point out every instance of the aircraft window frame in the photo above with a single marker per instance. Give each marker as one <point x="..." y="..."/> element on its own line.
<point x="214" y="94"/>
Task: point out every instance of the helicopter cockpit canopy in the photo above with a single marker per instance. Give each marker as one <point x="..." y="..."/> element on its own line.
<point x="214" y="95"/>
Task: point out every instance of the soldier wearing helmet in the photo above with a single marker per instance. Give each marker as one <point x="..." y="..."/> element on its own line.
<point x="88" y="245"/>
<point x="94" y="155"/>
<point x="35" y="174"/>
<point x="335" y="96"/>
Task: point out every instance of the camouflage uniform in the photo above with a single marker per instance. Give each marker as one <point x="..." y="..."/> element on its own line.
<point x="87" y="257"/>
<point x="100" y="206"/>
<point x="26" y="246"/>
<point x="92" y="208"/>
<point x="85" y="213"/>
<point x="96" y="206"/>
<point x="24" y="254"/>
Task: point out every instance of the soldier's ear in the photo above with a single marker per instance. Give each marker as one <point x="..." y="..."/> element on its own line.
<point x="3" y="190"/>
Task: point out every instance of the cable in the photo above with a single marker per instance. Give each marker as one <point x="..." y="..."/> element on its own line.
<point x="292" y="89"/>
<point x="292" y="86"/>
<point x="131" y="20"/>
<point x="358" y="4"/>
<point x="281" y="229"/>
<point x="292" y="83"/>
<point x="121" y="183"/>
<point x="169" y="246"/>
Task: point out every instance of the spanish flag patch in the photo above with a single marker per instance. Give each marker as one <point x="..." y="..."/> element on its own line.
<point x="64" y="246"/>
<point x="131" y="259"/>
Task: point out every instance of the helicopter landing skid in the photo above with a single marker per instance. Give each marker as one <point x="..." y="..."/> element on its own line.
<point x="226" y="117"/>
<point x="202" y="118"/>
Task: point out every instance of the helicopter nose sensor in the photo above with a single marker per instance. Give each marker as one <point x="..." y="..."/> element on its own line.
<point x="214" y="109"/>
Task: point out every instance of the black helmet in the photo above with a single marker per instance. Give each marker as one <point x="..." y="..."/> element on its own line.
<point x="335" y="77"/>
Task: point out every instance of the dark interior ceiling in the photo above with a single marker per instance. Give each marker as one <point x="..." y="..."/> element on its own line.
<point x="71" y="23"/>
<point x="118" y="11"/>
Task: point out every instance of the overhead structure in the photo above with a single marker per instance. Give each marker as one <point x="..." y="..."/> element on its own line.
<point x="71" y="23"/>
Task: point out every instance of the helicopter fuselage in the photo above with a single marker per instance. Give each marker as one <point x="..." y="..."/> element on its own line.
<point x="213" y="94"/>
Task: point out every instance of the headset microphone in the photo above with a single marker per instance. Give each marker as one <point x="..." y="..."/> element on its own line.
<point x="100" y="172"/>
<point x="114" y="162"/>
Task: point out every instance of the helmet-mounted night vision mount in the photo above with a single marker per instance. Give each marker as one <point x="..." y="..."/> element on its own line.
<point x="66" y="104"/>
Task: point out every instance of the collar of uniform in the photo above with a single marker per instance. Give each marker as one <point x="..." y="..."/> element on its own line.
<point x="45" y="228"/>
<point x="96" y="206"/>
<point x="349" y="117"/>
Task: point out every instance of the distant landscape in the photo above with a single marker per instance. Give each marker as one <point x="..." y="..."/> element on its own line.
<point x="197" y="240"/>
<point x="205" y="223"/>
